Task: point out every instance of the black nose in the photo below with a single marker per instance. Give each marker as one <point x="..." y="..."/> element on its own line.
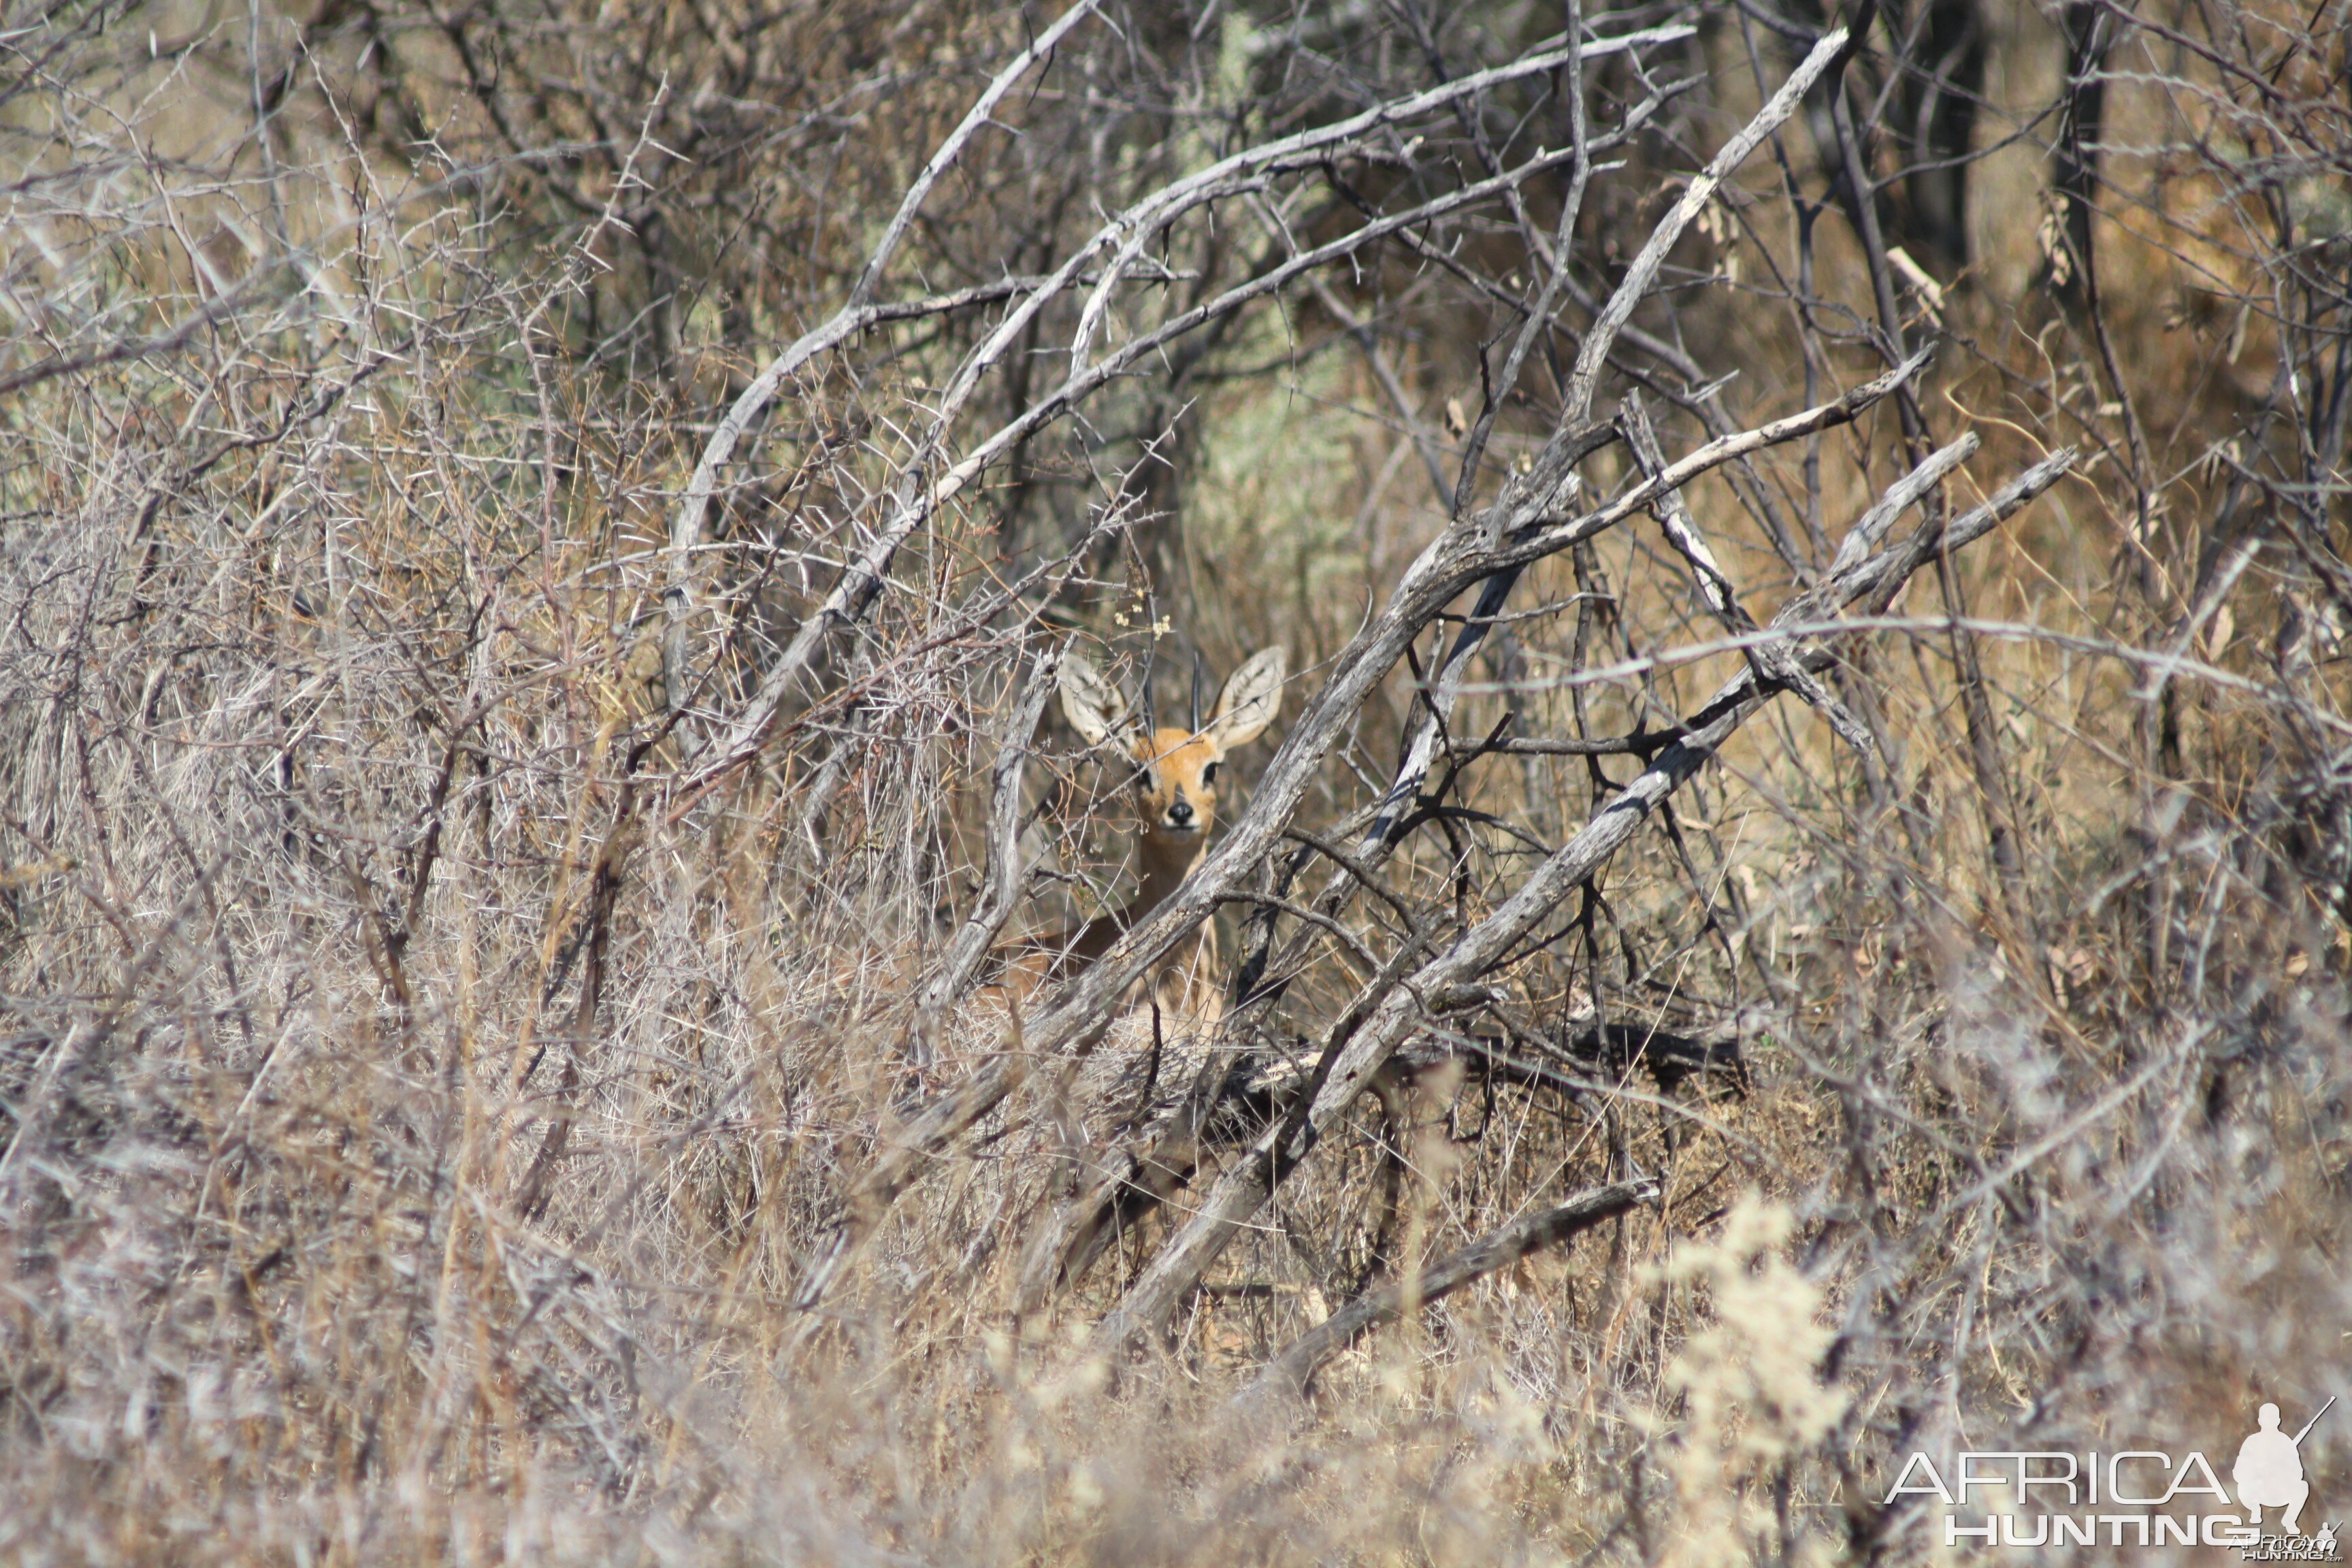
<point x="1181" y="814"/>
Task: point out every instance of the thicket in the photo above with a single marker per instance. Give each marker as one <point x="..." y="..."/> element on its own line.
<point x="1797" y="908"/>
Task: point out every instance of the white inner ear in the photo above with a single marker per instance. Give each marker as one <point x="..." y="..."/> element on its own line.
<point x="1092" y="705"/>
<point x="1251" y="698"/>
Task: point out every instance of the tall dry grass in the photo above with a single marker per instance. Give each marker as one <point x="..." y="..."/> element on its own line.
<point x="432" y="1083"/>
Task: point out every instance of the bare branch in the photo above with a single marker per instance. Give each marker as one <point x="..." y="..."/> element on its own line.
<point x="1292" y="1371"/>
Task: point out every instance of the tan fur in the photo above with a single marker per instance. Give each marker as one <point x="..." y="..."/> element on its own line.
<point x="1176" y="808"/>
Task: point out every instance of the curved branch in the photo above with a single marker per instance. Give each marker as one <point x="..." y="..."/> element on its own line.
<point x="1292" y="1371"/>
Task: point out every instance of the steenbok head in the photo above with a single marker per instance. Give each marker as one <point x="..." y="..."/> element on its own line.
<point x="1175" y="770"/>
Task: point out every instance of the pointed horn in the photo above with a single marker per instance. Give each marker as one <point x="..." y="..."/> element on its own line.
<point x="1143" y="687"/>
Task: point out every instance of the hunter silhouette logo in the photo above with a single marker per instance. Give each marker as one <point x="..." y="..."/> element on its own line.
<point x="2139" y="1497"/>
<point x="2269" y="1472"/>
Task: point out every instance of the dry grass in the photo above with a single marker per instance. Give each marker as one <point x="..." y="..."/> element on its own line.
<point x="429" y="1097"/>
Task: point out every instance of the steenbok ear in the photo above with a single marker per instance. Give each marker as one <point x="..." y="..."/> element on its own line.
<point x="1094" y="706"/>
<point x="1251" y="700"/>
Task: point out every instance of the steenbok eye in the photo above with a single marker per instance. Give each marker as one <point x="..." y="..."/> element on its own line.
<point x="1209" y="773"/>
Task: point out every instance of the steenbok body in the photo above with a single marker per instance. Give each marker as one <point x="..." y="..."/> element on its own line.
<point x="1175" y="801"/>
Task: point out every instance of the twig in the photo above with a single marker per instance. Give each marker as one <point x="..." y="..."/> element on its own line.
<point x="1292" y="1371"/>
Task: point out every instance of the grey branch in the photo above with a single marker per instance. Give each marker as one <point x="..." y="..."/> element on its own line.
<point x="686" y="527"/>
<point x="1355" y="1059"/>
<point x="1292" y="1371"/>
<point x="1644" y="271"/>
<point x="1770" y="661"/>
<point x="972" y="938"/>
<point x="1081" y="1008"/>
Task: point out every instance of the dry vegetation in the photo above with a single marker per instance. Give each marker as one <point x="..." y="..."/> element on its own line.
<point x="529" y="596"/>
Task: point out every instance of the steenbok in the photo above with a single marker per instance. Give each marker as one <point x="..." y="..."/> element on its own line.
<point x="1175" y="784"/>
